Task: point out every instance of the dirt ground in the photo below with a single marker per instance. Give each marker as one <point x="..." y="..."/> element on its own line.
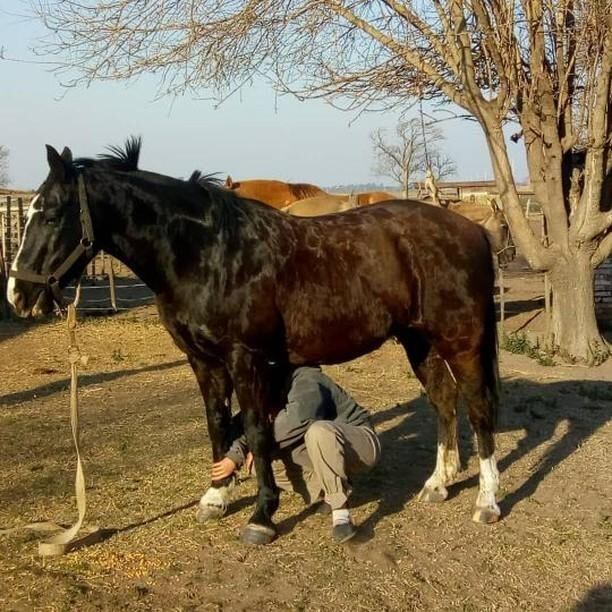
<point x="147" y="456"/>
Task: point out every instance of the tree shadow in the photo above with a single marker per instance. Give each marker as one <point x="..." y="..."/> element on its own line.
<point x="535" y="409"/>
<point x="85" y="380"/>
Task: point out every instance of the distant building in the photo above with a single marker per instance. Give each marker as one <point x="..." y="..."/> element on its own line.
<point x="463" y="190"/>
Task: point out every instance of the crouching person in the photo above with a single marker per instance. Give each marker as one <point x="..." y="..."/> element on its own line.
<point x="323" y="438"/>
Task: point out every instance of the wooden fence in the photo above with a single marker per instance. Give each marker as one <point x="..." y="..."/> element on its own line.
<point x="106" y="286"/>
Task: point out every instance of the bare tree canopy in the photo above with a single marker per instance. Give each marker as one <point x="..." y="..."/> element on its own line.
<point x="545" y="64"/>
<point x="413" y="148"/>
<point x="4" y="159"/>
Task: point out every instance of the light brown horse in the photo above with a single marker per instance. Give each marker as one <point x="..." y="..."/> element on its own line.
<point x="321" y="205"/>
<point x="492" y="219"/>
<point x="277" y="194"/>
<point x="373" y="197"/>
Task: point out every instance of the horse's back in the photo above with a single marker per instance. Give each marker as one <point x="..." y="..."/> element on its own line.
<point x="373" y="197"/>
<point x="377" y="269"/>
<point x="275" y="193"/>
<point x="318" y="205"/>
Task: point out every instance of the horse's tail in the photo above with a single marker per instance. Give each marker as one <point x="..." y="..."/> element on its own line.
<point x="489" y="347"/>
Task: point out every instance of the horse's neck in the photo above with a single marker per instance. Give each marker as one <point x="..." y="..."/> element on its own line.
<point x="494" y="228"/>
<point x="134" y="225"/>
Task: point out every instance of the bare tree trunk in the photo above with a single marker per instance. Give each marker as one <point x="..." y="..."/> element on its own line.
<point x="573" y="322"/>
<point x="405" y="178"/>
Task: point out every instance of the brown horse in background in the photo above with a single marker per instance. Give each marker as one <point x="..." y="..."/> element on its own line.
<point x="493" y="220"/>
<point x="321" y="205"/>
<point x="373" y="197"/>
<point x="277" y="194"/>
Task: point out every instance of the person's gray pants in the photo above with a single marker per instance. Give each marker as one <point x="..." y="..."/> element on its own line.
<point x="331" y="454"/>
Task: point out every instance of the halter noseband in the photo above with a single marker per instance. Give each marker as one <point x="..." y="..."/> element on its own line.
<point x="85" y="247"/>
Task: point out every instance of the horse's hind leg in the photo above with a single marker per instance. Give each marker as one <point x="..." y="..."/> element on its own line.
<point x="482" y="407"/>
<point x="441" y="390"/>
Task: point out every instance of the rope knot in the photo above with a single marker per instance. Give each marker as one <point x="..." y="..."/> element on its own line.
<point x="75" y="357"/>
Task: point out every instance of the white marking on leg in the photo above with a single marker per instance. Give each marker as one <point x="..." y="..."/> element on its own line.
<point x="214" y="503"/>
<point x="447" y="467"/>
<point x="489" y="483"/>
<point x="10" y="287"/>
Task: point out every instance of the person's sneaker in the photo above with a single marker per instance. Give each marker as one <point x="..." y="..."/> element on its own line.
<point x="343" y="532"/>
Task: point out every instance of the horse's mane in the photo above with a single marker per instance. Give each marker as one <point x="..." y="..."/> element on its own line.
<point x="230" y="211"/>
<point x="118" y="158"/>
<point x="227" y="215"/>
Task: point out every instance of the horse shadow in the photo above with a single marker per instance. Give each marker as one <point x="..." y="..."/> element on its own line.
<point x="11" y="327"/>
<point x="534" y="409"/>
<point x="597" y="599"/>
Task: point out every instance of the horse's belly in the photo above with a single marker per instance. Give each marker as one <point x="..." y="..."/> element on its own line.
<point x="327" y="335"/>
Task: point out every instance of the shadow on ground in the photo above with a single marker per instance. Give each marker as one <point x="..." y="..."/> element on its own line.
<point x="536" y="410"/>
<point x="597" y="599"/>
<point x="85" y="380"/>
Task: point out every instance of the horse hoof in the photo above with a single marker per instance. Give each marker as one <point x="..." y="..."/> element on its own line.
<point x="486" y="516"/>
<point x="209" y="513"/>
<point x="257" y="534"/>
<point x="434" y="496"/>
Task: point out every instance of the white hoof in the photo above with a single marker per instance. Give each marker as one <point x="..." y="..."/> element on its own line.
<point x="487" y="516"/>
<point x="213" y="504"/>
<point x="433" y="495"/>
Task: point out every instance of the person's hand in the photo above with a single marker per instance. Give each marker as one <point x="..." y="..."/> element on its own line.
<point x="248" y="463"/>
<point x="222" y="469"/>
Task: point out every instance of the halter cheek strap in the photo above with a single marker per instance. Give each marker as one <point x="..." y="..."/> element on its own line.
<point x="85" y="247"/>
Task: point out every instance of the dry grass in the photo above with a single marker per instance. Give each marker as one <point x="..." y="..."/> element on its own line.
<point x="147" y="454"/>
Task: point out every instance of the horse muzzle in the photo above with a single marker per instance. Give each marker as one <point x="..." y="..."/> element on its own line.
<point x="31" y="302"/>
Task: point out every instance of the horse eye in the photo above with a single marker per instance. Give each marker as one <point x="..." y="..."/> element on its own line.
<point x="51" y="220"/>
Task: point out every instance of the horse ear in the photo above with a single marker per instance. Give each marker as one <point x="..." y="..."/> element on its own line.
<point x="57" y="164"/>
<point x="67" y="155"/>
<point x="495" y="206"/>
<point x="228" y="182"/>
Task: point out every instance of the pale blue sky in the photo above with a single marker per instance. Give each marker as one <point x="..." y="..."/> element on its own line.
<point x="248" y="136"/>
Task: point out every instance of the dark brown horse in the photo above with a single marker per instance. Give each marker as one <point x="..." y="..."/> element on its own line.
<point x="249" y="292"/>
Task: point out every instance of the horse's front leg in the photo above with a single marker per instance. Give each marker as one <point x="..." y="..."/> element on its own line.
<point x="216" y="388"/>
<point x="253" y="388"/>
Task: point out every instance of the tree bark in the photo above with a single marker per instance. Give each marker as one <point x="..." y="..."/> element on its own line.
<point x="574" y="332"/>
<point x="405" y="182"/>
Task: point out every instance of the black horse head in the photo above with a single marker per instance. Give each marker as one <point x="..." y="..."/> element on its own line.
<point x="58" y="239"/>
<point x="52" y="233"/>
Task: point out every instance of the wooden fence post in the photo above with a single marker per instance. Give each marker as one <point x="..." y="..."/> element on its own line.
<point x="4" y="253"/>
<point x="4" y="307"/>
<point x="8" y="253"/>
<point x="502" y="301"/>
<point x="111" y="281"/>
<point x="19" y="221"/>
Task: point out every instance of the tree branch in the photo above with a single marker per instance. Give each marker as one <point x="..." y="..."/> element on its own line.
<point x="603" y="251"/>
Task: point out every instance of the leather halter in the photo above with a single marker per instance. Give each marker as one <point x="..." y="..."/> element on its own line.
<point x="84" y="247"/>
